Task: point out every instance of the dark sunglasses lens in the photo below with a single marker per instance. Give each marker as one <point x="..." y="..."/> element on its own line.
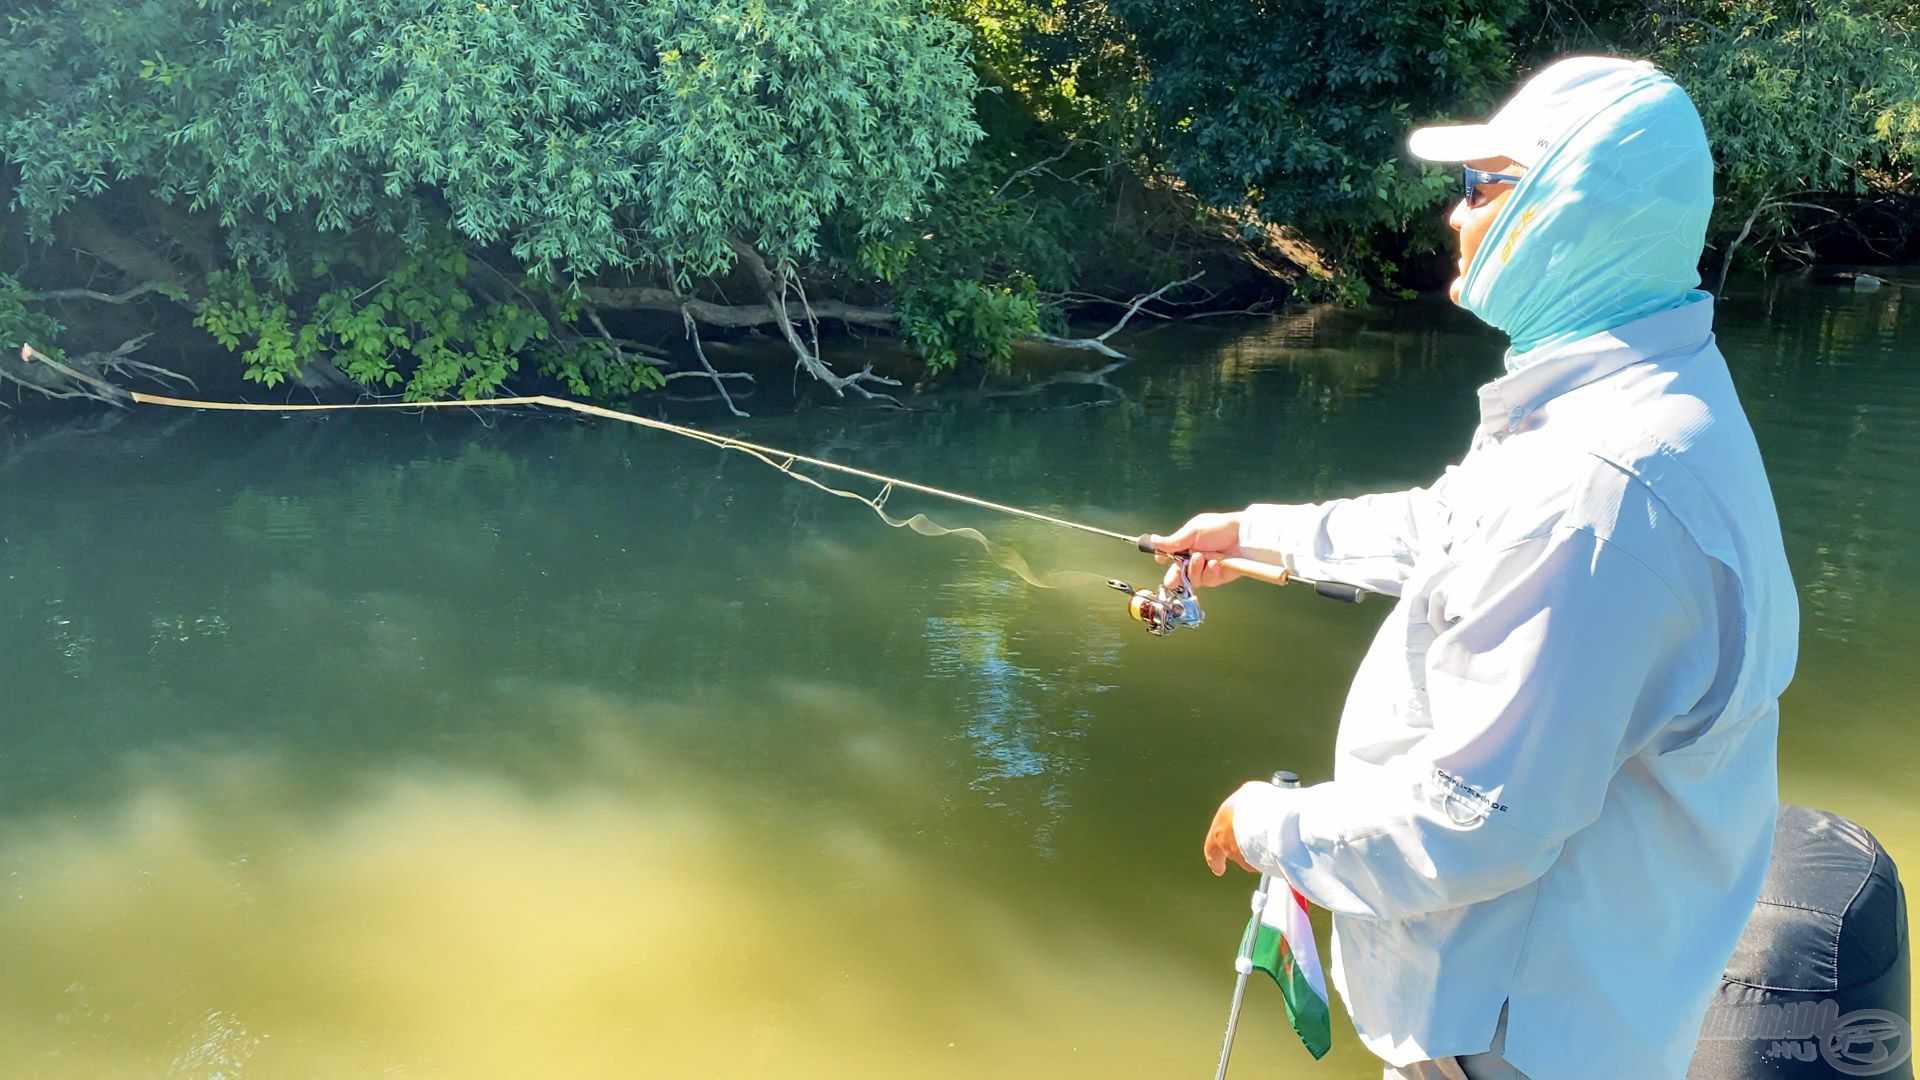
<point x="1470" y="182"/>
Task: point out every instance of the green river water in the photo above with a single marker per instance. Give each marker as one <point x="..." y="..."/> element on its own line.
<point x="449" y="746"/>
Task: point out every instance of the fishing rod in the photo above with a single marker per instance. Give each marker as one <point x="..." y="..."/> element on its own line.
<point x="1172" y="606"/>
<point x="1163" y="609"/>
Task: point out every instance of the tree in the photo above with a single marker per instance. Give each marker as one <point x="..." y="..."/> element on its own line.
<point x="1806" y="104"/>
<point x="1300" y="111"/>
<point x="298" y="149"/>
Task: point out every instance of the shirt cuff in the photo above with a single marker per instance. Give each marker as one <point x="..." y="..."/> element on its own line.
<point x="1260" y="817"/>
<point x="1271" y="532"/>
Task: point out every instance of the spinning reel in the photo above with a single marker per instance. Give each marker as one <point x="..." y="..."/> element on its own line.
<point x="1163" y="610"/>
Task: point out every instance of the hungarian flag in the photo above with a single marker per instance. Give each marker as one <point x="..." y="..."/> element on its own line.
<point x="1279" y="941"/>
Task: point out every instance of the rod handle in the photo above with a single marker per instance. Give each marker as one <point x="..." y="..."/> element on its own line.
<point x="1279" y="575"/>
<point x="1258" y="571"/>
<point x="1273" y="575"/>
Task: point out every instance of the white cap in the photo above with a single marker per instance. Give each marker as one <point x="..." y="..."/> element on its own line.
<point x="1543" y="112"/>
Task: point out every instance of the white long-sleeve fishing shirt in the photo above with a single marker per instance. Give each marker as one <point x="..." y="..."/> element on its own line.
<point x="1555" y="775"/>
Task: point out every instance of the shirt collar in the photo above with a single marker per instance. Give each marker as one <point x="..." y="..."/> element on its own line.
<point x="1506" y="402"/>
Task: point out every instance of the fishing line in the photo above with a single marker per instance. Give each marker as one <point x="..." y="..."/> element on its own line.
<point x="926" y="526"/>
<point x="773" y="457"/>
<point x="1163" y="610"/>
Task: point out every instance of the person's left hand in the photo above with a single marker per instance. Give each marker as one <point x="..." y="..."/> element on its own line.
<point x="1221" y="846"/>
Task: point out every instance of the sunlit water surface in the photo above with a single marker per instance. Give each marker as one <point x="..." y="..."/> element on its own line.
<point x="427" y="746"/>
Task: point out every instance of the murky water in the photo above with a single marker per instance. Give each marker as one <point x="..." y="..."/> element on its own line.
<point x="418" y="746"/>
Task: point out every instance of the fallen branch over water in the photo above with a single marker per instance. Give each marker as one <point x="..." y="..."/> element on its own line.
<point x="730" y="316"/>
<point x="84" y="376"/>
<point x="1098" y="343"/>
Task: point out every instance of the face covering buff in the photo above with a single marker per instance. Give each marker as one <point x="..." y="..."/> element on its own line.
<point x="1607" y="228"/>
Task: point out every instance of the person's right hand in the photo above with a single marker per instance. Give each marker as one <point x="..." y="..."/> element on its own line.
<point x="1210" y="538"/>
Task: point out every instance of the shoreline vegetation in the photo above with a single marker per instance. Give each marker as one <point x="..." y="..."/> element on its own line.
<point x="419" y="199"/>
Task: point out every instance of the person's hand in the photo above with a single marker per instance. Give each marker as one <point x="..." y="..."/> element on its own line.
<point x="1210" y="537"/>
<point x="1221" y="847"/>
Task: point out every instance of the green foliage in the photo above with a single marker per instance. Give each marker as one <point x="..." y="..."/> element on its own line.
<point x="973" y="161"/>
<point x="581" y="135"/>
<point x="578" y="137"/>
<point x="1301" y="110"/>
<point x="1059" y="114"/>
<point x="21" y="324"/>
<point x="1061" y="66"/>
<point x="966" y="278"/>
<point x="1799" y="98"/>
<point x="954" y="320"/>
<point x="590" y="369"/>
<point x="417" y="329"/>
<point x="1341" y="287"/>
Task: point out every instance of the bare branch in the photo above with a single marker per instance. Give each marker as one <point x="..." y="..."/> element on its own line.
<point x="1726" y="262"/>
<point x="773" y="285"/>
<point x="94" y="294"/>
<point x="1098" y="343"/>
<point x="693" y="332"/>
<point x="1156" y="294"/>
<point x="1040" y="167"/>
<point x="729" y="315"/>
<point x="1766" y="203"/>
<point x="78" y="376"/>
<point x="90" y="231"/>
<point x="1258" y="307"/>
<point x="1090" y="344"/>
<point x="648" y="354"/>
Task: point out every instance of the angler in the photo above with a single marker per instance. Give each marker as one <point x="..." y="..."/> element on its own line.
<point x="1554" y="795"/>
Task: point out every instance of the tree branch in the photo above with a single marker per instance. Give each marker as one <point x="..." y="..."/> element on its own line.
<point x="620" y="345"/>
<point x="1098" y="343"/>
<point x="693" y="332"/>
<point x="73" y="379"/>
<point x="89" y="231"/>
<point x="1039" y="167"/>
<point x="773" y="285"/>
<point x="736" y="316"/>
<point x="94" y="294"/>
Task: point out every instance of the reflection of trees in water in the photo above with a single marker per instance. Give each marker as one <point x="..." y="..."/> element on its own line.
<point x="334" y="582"/>
<point x="361" y="587"/>
<point x="1826" y="375"/>
<point x="356" y="593"/>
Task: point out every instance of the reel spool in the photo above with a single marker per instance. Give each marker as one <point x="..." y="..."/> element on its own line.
<point x="1163" y="610"/>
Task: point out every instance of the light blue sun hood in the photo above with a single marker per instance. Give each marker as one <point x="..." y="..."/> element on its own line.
<point x="1607" y="228"/>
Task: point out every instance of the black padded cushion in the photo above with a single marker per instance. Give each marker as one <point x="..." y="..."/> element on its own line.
<point x="1827" y="939"/>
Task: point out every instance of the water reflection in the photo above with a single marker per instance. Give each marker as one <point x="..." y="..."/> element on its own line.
<point x="441" y="922"/>
<point x="1010" y="728"/>
<point x="440" y="749"/>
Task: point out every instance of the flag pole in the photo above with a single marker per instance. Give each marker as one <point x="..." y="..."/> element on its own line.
<point x="1243" y="963"/>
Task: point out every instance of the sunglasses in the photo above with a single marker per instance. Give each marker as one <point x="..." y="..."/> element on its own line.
<point x="1471" y="179"/>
